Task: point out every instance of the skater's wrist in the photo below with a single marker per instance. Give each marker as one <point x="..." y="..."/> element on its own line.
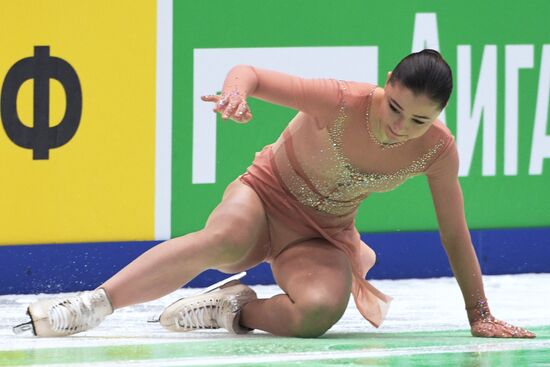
<point x="479" y="311"/>
<point x="241" y="79"/>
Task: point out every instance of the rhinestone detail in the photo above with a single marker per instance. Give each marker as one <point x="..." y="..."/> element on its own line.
<point x="341" y="187"/>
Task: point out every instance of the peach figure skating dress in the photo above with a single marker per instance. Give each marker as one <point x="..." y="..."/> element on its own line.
<point x="325" y="163"/>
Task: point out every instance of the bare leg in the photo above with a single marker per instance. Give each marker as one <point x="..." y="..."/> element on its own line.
<point x="316" y="277"/>
<point x="233" y="238"/>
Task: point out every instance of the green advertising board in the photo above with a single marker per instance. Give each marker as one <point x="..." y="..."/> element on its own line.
<point x="499" y="53"/>
<point x="146" y="159"/>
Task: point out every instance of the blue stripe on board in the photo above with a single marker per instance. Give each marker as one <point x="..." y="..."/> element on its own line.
<point x="75" y="267"/>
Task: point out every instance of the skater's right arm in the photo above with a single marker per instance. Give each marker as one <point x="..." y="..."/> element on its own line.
<point x="316" y="97"/>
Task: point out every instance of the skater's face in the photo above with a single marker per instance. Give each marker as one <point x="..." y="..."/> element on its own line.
<point x="403" y="115"/>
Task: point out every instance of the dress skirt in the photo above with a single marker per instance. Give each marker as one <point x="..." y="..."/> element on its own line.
<point x="292" y="222"/>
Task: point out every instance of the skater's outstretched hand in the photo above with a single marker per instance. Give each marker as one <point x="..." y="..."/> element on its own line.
<point x="483" y="324"/>
<point x="232" y="105"/>
<point x="494" y="328"/>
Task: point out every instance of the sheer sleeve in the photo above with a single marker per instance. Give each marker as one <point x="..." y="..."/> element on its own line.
<point x="447" y="195"/>
<point x="316" y="97"/>
<point x="449" y="206"/>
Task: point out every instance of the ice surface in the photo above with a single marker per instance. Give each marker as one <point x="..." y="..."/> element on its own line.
<point x="419" y="305"/>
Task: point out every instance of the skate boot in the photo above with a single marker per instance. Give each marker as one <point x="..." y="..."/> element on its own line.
<point x="62" y="317"/>
<point x="217" y="307"/>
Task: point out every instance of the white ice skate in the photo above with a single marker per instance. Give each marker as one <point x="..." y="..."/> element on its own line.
<point x="219" y="306"/>
<point x="62" y="317"/>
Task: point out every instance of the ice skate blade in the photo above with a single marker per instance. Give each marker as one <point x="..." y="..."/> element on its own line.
<point x="22" y="328"/>
<point x="222" y="283"/>
<point x="156" y="318"/>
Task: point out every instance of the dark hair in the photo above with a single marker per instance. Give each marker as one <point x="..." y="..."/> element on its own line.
<point x="425" y="72"/>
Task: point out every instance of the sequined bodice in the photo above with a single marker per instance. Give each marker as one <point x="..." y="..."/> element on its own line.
<point x="318" y="173"/>
<point x="373" y="182"/>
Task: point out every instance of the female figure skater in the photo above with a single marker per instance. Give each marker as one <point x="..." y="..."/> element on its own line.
<point x="295" y="208"/>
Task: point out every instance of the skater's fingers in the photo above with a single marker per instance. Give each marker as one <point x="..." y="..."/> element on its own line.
<point x="220" y="101"/>
<point x="494" y="328"/>
<point x="517" y="332"/>
<point x="241" y="111"/>
<point x="231" y="105"/>
<point x="502" y="331"/>
<point x="229" y="110"/>
<point x="210" y="98"/>
<point x="525" y="334"/>
<point x="243" y="119"/>
<point x="242" y="107"/>
<point x="247" y="117"/>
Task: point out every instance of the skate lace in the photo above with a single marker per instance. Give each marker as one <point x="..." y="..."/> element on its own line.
<point x="204" y="314"/>
<point x="74" y="314"/>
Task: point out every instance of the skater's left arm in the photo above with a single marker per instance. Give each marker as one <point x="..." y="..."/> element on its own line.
<point x="455" y="237"/>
